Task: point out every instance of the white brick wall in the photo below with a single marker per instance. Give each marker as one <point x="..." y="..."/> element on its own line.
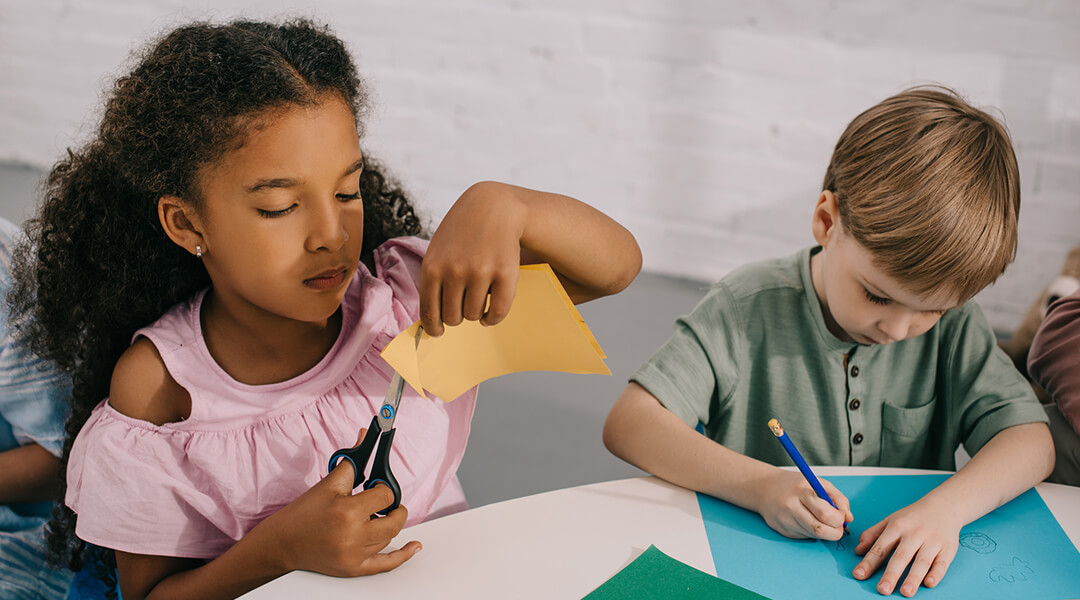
<point x="704" y="126"/>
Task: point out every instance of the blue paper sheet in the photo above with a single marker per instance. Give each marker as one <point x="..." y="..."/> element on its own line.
<point x="1017" y="551"/>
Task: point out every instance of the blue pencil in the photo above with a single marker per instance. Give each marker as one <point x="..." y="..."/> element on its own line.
<point x="804" y="468"/>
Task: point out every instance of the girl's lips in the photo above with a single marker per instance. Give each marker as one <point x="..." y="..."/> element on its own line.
<point x="326" y="282"/>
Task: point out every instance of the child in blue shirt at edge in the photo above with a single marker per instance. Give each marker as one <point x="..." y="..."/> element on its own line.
<point x="32" y="411"/>
<point x="867" y="346"/>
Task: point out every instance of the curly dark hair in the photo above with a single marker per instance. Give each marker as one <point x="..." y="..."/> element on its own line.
<point x="97" y="265"/>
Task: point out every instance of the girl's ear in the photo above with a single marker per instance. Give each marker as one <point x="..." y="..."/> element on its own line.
<point x="181" y="223"/>
<point x="826" y="220"/>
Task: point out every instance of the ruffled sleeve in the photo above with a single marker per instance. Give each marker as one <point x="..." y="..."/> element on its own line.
<point x="129" y="484"/>
<point x="397" y="263"/>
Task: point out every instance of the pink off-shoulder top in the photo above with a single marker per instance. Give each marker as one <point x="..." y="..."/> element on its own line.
<point x="193" y="488"/>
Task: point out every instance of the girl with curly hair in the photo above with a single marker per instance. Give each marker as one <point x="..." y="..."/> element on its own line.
<point x="218" y="269"/>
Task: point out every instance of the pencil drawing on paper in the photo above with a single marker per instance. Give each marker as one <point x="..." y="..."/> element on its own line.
<point x="978" y="541"/>
<point x="1018" y="570"/>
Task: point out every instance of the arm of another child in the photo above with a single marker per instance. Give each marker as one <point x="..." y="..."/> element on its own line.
<point x="28" y="473"/>
<point x="327" y="530"/>
<point x="641" y="431"/>
<point x="1054" y="359"/>
<point x="32" y="411"/>
<point x="926" y="533"/>
<point x="493" y="228"/>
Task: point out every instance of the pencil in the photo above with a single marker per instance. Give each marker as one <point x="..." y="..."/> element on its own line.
<point x="804" y="468"/>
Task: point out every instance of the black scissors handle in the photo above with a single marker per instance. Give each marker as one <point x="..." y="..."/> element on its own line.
<point x="381" y="473"/>
<point x="380" y="469"/>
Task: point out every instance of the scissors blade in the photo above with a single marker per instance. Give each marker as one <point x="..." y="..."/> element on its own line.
<point x="388" y="411"/>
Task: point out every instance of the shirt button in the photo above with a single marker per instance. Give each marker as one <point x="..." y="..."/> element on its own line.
<point x="857" y="439"/>
<point x="854" y="370"/>
<point x="855" y="404"/>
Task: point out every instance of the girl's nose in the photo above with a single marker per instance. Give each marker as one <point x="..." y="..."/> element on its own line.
<point x="327" y="232"/>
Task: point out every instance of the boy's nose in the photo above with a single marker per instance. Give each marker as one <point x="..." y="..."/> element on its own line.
<point x="896" y="326"/>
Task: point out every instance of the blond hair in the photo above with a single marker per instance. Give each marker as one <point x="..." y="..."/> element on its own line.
<point x="929" y="185"/>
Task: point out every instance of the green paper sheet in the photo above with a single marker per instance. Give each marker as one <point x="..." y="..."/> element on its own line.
<point x="654" y="574"/>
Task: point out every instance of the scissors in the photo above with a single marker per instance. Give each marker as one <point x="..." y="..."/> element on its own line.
<point x="381" y="429"/>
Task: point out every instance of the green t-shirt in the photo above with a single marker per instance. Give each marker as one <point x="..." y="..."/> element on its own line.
<point x="757" y="347"/>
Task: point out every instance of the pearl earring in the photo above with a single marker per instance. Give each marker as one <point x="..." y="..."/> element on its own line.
<point x="198" y="251"/>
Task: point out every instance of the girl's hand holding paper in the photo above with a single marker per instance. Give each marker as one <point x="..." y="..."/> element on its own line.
<point x="543" y="331"/>
<point x="474" y="254"/>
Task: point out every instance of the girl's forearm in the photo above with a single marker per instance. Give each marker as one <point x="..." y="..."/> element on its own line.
<point x="328" y="529"/>
<point x="594" y="255"/>
<point x="250" y="563"/>
<point x="1024" y="452"/>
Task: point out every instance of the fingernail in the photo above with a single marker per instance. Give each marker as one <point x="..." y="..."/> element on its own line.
<point x="858" y="572"/>
<point x="907" y="589"/>
<point x="930" y="581"/>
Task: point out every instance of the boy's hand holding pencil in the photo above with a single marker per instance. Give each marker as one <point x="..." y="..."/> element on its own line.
<point x="789" y="506"/>
<point x="794" y="507"/>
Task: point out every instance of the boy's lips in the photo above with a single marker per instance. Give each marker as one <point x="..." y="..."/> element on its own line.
<point x="865" y="340"/>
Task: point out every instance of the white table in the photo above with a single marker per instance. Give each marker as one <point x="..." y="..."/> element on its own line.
<point x="563" y="544"/>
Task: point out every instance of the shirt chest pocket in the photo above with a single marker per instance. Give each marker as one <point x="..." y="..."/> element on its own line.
<point x="905" y="435"/>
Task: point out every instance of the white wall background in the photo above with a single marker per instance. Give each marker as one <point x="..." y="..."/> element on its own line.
<point x="703" y="125"/>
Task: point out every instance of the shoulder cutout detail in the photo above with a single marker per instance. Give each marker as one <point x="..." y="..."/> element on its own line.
<point x="143" y="389"/>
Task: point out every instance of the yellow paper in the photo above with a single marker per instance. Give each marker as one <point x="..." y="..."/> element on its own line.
<point x="542" y="332"/>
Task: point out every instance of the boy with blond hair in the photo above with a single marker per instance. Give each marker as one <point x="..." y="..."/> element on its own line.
<point x="868" y="342"/>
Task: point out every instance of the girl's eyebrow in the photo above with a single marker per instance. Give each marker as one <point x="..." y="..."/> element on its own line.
<point x="356" y="166"/>
<point x="284" y="182"/>
<point x="273" y="183"/>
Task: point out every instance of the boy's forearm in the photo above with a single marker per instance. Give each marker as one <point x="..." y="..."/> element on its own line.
<point x="28" y="474"/>
<point x="642" y="432"/>
<point x="594" y="255"/>
<point x="1009" y="464"/>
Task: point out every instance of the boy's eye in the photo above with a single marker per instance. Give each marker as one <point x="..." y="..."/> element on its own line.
<point x="347" y="197"/>
<point x="875" y="299"/>
<point x="270" y="214"/>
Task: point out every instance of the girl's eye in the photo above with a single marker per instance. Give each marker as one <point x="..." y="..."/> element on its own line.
<point x="347" y="197"/>
<point x="272" y="214"/>
<point x="875" y="299"/>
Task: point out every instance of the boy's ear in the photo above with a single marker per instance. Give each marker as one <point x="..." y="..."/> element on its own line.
<point x="181" y="223"/>
<point x="825" y="223"/>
